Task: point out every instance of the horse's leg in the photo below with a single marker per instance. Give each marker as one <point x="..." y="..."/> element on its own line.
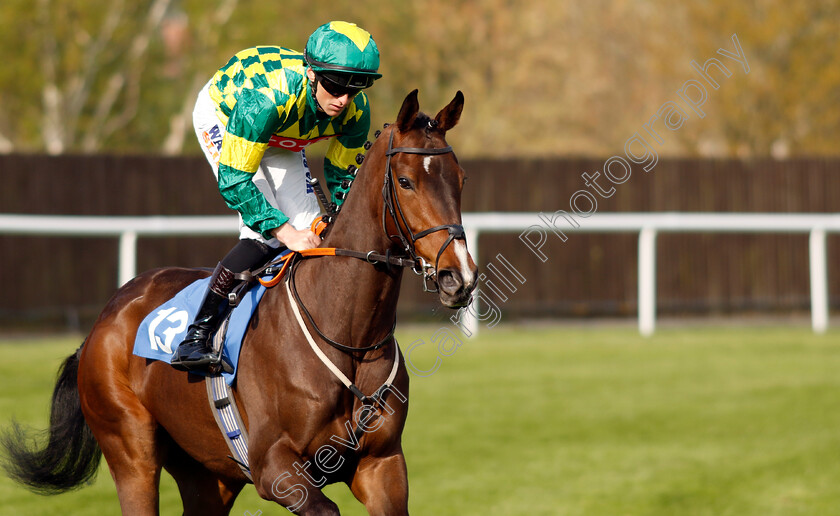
<point x="282" y="478"/>
<point x="126" y="431"/>
<point x="129" y="446"/>
<point x="202" y="492"/>
<point x="381" y="484"/>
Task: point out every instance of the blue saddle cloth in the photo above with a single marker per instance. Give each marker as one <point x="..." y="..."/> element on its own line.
<point x="165" y="327"/>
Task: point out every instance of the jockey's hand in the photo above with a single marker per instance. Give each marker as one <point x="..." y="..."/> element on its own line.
<point x="294" y="239"/>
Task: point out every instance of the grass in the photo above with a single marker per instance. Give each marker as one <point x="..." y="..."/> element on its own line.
<point x="569" y="421"/>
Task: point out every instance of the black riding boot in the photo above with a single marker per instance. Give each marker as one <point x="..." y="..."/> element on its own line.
<point x="196" y="351"/>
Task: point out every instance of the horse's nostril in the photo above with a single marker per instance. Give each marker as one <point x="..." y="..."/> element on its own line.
<point x="449" y="281"/>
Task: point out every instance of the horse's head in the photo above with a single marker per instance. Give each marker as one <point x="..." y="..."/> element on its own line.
<point x="422" y="196"/>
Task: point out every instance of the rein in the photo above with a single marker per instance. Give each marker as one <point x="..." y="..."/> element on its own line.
<point x="370" y="257"/>
<point x="347" y="349"/>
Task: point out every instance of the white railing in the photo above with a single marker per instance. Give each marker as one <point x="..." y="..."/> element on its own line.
<point x="647" y="225"/>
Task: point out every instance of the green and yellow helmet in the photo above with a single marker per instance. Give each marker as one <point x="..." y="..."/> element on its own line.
<point x="343" y="53"/>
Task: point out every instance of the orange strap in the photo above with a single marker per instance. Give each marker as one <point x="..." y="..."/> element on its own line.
<point x="276" y="279"/>
<point x="318" y="251"/>
<point x="318" y="226"/>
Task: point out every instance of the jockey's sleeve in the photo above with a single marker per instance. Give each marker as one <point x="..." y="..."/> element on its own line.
<point x="355" y="124"/>
<point x="249" y="127"/>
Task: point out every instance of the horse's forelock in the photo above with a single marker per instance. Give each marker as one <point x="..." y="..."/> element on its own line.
<point x="422" y="121"/>
<point x="425" y="123"/>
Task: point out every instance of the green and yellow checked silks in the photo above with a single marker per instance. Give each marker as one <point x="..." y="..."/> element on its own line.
<point x="262" y="96"/>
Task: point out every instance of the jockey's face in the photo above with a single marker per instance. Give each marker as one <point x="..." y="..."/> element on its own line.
<point x="330" y="104"/>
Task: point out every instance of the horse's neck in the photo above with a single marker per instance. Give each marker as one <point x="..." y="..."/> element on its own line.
<point x="354" y="298"/>
<point x="361" y="300"/>
<point x="351" y="300"/>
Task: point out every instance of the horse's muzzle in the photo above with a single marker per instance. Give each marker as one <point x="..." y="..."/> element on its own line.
<point x="453" y="291"/>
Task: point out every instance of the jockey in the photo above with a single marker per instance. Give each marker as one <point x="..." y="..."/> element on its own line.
<point x="253" y="120"/>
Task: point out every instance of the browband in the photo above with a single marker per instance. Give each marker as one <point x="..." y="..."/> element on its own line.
<point x="419" y="150"/>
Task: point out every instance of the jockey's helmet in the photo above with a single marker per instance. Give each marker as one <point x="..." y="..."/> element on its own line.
<point x="344" y="54"/>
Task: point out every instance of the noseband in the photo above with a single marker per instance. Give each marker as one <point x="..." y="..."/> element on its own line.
<point x="392" y="207"/>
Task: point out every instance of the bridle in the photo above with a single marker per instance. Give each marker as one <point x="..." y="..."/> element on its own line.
<point x="393" y="208"/>
<point x="413" y="261"/>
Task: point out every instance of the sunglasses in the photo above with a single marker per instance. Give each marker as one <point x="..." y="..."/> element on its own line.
<point x="335" y="90"/>
<point x="339" y="85"/>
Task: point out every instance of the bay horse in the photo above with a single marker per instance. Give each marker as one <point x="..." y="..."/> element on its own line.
<point x="145" y="416"/>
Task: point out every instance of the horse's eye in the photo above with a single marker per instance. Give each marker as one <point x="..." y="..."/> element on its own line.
<point x="404" y="183"/>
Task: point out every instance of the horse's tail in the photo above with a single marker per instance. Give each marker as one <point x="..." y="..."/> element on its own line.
<point x="71" y="455"/>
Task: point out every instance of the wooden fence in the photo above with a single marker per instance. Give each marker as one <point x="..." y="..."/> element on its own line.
<point x="67" y="280"/>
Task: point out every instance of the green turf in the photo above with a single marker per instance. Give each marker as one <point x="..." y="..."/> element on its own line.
<point x="554" y="421"/>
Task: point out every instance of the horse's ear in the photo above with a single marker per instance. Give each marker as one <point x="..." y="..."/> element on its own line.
<point x="449" y="116"/>
<point x="408" y="112"/>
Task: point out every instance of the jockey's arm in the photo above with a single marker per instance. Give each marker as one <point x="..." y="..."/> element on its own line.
<point x="249" y="127"/>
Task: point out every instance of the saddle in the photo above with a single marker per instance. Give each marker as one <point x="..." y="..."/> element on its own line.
<point x="161" y="330"/>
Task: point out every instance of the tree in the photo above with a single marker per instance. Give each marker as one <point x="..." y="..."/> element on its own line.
<point x="541" y="78"/>
<point x="87" y="65"/>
